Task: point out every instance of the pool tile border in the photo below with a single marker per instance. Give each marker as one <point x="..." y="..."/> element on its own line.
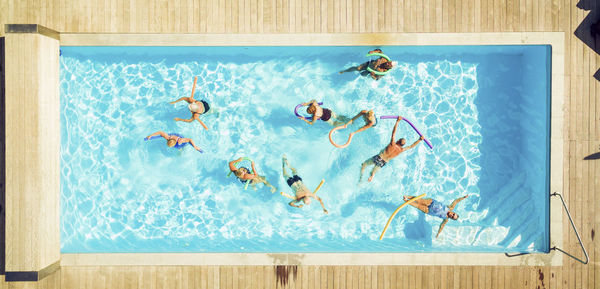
<point x="555" y="39"/>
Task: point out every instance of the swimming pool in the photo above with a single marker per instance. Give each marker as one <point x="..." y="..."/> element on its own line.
<point x="484" y="108"/>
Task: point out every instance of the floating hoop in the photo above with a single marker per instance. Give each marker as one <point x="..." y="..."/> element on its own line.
<point x="375" y="71"/>
<point x="243" y="159"/>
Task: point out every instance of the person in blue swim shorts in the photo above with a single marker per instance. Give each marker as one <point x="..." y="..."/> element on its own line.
<point x="436" y="209"/>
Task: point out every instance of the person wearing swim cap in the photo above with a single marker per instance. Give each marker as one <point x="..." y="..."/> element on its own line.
<point x="196" y="107"/>
<point x="436" y="209"/>
<point x="244" y="175"/>
<point x="381" y="65"/>
<point x="323" y="114"/>
<point x="302" y="194"/>
<point x="174" y="140"/>
<point x="392" y="150"/>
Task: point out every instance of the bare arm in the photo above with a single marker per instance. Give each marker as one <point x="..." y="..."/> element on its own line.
<point x="451" y="207"/>
<point x="441" y="227"/>
<point x="255" y="174"/>
<point x="414" y="144"/>
<point x="197" y="117"/>
<point x="184" y="140"/>
<point x="232" y="164"/>
<point x="292" y="203"/>
<point x="320" y="201"/>
<point x="164" y="135"/>
<point x="394" y="131"/>
<point x="314" y="119"/>
<point x="186" y="120"/>
<point x="357" y="116"/>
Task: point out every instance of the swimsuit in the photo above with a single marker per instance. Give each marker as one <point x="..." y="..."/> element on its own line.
<point x="293" y="179"/>
<point x="438" y="209"/>
<point x="326" y="114"/>
<point x="379" y="161"/>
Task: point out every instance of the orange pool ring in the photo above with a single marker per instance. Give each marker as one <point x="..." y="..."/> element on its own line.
<point x="337" y="145"/>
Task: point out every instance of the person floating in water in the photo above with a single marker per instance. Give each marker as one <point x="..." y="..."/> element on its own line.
<point x="174" y="140"/>
<point x="436" y="209"/>
<point x="370" y="121"/>
<point x="243" y="174"/>
<point x="392" y="150"/>
<point x="302" y="194"/>
<point x="323" y="114"/>
<point x="196" y="107"/>
<point x="381" y="65"/>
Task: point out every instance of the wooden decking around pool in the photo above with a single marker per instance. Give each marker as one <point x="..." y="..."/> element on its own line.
<point x="581" y="132"/>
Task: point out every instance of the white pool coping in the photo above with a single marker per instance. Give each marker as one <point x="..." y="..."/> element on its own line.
<point x="555" y="39"/>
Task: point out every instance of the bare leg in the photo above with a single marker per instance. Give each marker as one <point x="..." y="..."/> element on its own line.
<point x="283" y="163"/>
<point x="294" y="172"/>
<point x="364" y="166"/>
<point x="375" y="169"/>
<point x="188" y="99"/>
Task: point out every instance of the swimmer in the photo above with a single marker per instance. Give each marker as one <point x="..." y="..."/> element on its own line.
<point x="436" y="209"/>
<point x="174" y="140"/>
<point x="392" y="150"/>
<point x="244" y="175"/>
<point x="296" y="184"/>
<point x="196" y="107"/>
<point x="369" y="118"/>
<point x="381" y="65"/>
<point x="323" y="114"/>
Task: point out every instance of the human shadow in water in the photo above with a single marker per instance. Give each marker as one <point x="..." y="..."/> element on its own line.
<point x="588" y="30"/>
<point x="419" y="230"/>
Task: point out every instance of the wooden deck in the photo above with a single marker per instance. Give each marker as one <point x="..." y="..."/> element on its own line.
<point x="582" y="129"/>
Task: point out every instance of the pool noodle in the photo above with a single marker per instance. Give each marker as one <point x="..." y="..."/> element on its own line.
<point x="396" y="211"/>
<point x="378" y="54"/>
<point x="375" y="71"/>
<point x="337" y="145"/>
<point x="298" y="115"/>
<point x="410" y="123"/>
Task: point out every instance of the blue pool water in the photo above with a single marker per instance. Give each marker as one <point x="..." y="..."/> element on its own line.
<point x="485" y="109"/>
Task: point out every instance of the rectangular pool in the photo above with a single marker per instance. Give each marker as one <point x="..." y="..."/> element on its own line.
<point x="485" y="109"/>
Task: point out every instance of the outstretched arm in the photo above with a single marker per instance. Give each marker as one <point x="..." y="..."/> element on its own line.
<point x="253" y="175"/>
<point x="394" y="131"/>
<point x="415" y="143"/>
<point x="441" y="227"/>
<point x="184" y="140"/>
<point x="310" y="102"/>
<point x="164" y="135"/>
<point x="197" y="117"/>
<point x="292" y="203"/>
<point x="314" y="119"/>
<point x="358" y="115"/>
<point x="451" y="207"/>
<point x="232" y="164"/>
<point x="320" y="201"/>
<point x="186" y="120"/>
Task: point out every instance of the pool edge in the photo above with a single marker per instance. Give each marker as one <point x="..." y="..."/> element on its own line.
<point x="555" y="39"/>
